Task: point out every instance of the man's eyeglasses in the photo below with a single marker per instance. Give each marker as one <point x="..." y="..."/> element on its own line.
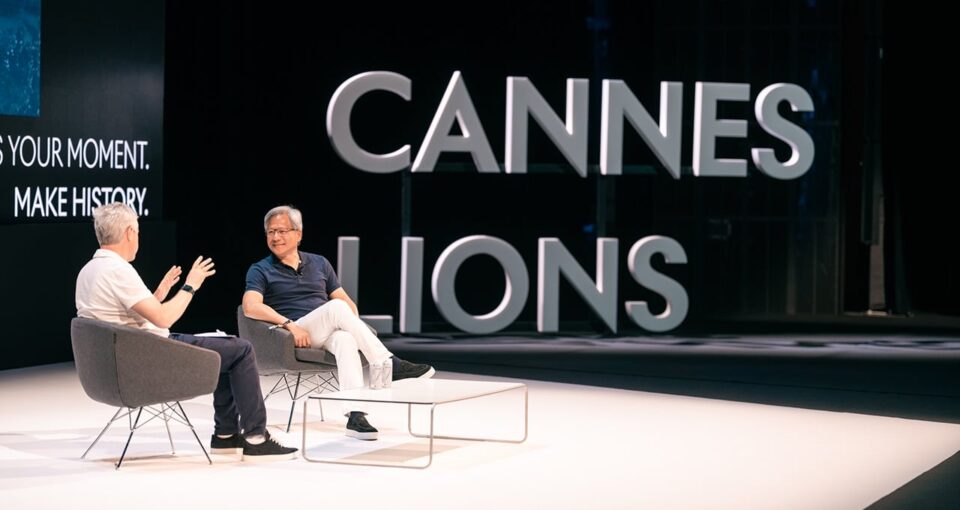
<point x="279" y="231"/>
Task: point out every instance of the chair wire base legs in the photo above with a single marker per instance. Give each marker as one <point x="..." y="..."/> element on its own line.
<point x="319" y="402"/>
<point x="296" y="389"/>
<point x="183" y="414"/>
<point x="133" y="428"/>
<point x="166" y="423"/>
<point x="303" y="386"/>
<point x="165" y="411"/>
<point x="105" y="427"/>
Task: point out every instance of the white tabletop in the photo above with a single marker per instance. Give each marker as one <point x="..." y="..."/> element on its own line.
<point x="423" y="391"/>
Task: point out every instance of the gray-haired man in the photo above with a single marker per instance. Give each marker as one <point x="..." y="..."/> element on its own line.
<point x="300" y="291"/>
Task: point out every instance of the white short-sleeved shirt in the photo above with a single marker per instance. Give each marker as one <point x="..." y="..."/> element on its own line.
<point x="107" y="289"/>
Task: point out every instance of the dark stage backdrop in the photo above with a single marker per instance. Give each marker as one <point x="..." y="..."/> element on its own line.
<point x="94" y="136"/>
<point x="230" y="99"/>
<point x="248" y="89"/>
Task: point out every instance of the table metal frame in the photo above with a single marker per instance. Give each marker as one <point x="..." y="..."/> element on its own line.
<point x="430" y="436"/>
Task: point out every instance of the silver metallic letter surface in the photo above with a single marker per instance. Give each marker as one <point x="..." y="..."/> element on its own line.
<point x="411" y="284"/>
<point x="569" y="137"/>
<point x="638" y="261"/>
<point x="456" y="106"/>
<point x="348" y="265"/>
<point x="619" y="102"/>
<point x="707" y="128"/>
<point x="801" y="145"/>
<point x="553" y="259"/>
<point x="338" y="121"/>
<point x="515" y="293"/>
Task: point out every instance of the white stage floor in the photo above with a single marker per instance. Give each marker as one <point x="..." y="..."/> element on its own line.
<point x="588" y="448"/>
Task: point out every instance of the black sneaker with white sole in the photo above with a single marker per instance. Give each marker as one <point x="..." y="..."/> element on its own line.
<point x="359" y="428"/>
<point x="226" y="445"/>
<point x="403" y="369"/>
<point x="267" y="451"/>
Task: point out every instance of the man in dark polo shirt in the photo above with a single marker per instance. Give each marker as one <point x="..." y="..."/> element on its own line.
<point x="300" y="292"/>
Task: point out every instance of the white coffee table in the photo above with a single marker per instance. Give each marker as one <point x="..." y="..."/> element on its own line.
<point x="425" y="392"/>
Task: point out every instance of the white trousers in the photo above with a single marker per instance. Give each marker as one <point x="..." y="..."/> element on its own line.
<point x="334" y="328"/>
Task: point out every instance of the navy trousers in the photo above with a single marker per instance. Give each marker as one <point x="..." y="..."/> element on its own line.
<point x="237" y="401"/>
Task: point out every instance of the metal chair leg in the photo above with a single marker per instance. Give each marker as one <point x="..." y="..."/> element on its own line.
<point x="186" y="419"/>
<point x="316" y="377"/>
<point x="283" y="379"/>
<point x="133" y="428"/>
<point x="293" y="402"/>
<point x="321" y="383"/>
<point x="166" y="423"/>
<point x="105" y="427"/>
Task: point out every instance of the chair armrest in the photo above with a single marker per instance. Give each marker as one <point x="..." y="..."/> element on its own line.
<point x="274" y="347"/>
<point x="276" y="350"/>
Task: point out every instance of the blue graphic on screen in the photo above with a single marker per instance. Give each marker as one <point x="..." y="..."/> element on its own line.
<point x="20" y="57"/>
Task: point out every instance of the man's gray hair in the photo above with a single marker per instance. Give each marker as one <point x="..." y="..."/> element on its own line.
<point x="111" y="220"/>
<point x="296" y="219"/>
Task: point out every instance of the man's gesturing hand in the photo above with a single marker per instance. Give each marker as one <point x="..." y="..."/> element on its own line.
<point x="202" y="268"/>
<point x="172" y="277"/>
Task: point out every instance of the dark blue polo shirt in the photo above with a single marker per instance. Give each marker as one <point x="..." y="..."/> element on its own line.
<point x="293" y="293"/>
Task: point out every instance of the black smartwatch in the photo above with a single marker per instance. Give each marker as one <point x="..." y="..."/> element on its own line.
<point x="188" y="288"/>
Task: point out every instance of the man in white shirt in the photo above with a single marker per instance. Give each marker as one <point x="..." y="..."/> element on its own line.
<point x="109" y="289"/>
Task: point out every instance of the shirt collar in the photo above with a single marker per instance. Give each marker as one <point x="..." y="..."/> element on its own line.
<point x="277" y="262"/>
<point x="104" y="253"/>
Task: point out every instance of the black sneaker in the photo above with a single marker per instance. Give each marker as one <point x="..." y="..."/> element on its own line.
<point x="266" y="451"/>
<point x="358" y="427"/>
<point x="403" y="369"/>
<point x="226" y="445"/>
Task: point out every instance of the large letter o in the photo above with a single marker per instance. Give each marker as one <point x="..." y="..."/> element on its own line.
<point x="515" y="294"/>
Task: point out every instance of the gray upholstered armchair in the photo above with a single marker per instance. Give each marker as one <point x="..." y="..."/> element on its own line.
<point x="301" y="371"/>
<point x="139" y="371"/>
